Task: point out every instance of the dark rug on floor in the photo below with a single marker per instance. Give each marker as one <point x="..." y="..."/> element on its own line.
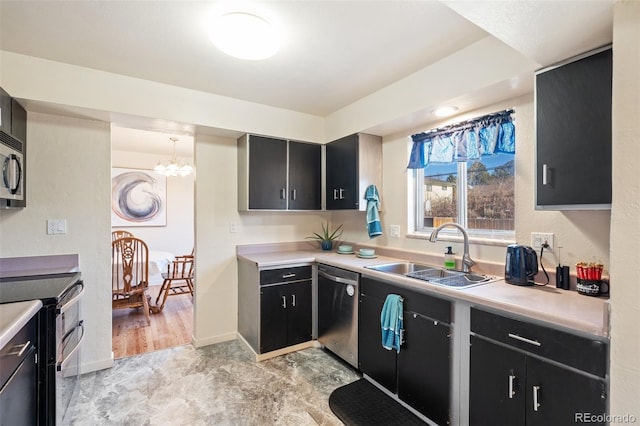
<point x="362" y="404"/>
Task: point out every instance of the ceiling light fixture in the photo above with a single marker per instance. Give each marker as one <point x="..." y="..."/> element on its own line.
<point x="244" y="35"/>
<point x="173" y="167"/>
<point x="445" y="111"/>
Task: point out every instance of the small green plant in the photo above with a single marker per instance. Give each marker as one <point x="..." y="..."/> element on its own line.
<point x="327" y="235"/>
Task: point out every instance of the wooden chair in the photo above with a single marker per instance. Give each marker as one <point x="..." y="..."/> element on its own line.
<point x="120" y="234"/>
<point x="130" y="274"/>
<point x="177" y="280"/>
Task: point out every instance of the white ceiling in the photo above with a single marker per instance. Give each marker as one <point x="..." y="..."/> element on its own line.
<point x="335" y="53"/>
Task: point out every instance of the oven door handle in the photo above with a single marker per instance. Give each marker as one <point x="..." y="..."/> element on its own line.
<point x="73" y="300"/>
<point x="63" y="362"/>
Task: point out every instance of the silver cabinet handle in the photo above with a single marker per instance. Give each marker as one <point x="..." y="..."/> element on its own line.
<point x="341" y="193"/>
<point x="335" y="194"/>
<point x="284" y="302"/>
<point x="512" y="392"/>
<point x="536" y="402"/>
<point x="283" y="193"/>
<point x="293" y="194"/>
<point x="544" y="175"/>
<point x="288" y="276"/>
<point x="293" y="300"/>
<point x="20" y="349"/>
<point x="524" y="339"/>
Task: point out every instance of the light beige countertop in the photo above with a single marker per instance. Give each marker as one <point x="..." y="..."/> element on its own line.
<point x="14" y="316"/>
<point x="562" y="308"/>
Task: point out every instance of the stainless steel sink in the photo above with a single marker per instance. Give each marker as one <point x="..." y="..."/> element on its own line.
<point x="434" y="274"/>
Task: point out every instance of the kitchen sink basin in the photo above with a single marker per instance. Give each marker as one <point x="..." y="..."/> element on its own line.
<point x="434" y="274"/>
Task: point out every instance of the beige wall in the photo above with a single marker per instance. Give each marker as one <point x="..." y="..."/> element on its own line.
<point x="69" y="174"/>
<point x="625" y="220"/>
<point x="69" y="165"/>
<point x="583" y="235"/>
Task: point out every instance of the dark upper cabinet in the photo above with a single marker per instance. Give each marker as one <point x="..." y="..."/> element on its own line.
<point x="352" y="164"/>
<point x="305" y="176"/>
<point x="573" y="133"/>
<point x="278" y="174"/>
<point x="5" y="110"/>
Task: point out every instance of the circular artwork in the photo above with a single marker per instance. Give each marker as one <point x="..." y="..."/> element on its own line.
<point x="137" y="199"/>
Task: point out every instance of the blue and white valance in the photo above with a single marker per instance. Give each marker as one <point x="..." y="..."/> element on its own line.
<point x="464" y="141"/>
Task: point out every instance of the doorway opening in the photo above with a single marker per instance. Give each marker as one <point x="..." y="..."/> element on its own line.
<point x="165" y="224"/>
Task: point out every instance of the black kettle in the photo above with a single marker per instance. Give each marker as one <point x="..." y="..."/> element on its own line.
<point x="521" y="265"/>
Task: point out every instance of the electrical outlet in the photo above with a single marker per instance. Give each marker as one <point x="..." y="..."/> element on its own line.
<point x="539" y="238"/>
<point x="394" y="231"/>
<point x="233" y="227"/>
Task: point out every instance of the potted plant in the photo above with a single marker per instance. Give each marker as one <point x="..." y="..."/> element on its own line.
<point x="327" y="237"/>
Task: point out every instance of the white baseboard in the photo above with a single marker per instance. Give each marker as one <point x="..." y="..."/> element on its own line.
<point x="213" y="340"/>
<point x="103" y="364"/>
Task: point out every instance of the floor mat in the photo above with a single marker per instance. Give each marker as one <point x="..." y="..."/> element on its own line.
<point x="362" y="404"/>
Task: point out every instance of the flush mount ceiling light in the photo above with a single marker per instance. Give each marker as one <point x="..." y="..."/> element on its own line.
<point x="445" y="111"/>
<point x="244" y="35"/>
<point x="173" y="167"/>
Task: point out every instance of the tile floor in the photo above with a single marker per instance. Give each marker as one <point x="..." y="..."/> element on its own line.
<point x="215" y="385"/>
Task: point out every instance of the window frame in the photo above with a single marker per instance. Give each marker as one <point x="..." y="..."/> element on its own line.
<point x="416" y="205"/>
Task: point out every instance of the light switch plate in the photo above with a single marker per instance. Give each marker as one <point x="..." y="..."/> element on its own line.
<point x="394" y="231"/>
<point x="56" y="226"/>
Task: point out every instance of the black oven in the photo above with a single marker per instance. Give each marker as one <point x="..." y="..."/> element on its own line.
<point x="61" y="331"/>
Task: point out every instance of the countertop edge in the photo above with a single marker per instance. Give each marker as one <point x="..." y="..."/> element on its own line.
<point x="14" y="316"/>
<point x="598" y="327"/>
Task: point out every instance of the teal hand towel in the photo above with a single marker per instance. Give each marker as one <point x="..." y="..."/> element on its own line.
<point x="392" y="323"/>
<point x="374" y="228"/>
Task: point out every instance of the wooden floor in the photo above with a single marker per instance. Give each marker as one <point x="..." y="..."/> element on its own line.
<point x="171" y="327"/>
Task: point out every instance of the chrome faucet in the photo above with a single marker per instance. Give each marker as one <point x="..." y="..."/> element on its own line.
<point x="467" y="262"/>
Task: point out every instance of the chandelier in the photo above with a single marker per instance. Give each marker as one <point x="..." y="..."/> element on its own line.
<point x="173" y="167"/>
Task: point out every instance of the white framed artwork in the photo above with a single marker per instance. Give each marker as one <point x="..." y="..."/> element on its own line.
<point x="138" y="198"/>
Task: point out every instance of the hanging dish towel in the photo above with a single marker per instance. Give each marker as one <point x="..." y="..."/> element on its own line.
<point x="373" y="217"/>
<point x="391" y="322"/>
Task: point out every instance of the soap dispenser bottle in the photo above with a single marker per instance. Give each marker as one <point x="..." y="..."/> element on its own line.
<point x="449" y="259"/>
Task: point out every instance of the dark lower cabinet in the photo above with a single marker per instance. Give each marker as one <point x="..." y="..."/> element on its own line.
<point x="420" y="374"/>
<point x="285" y="315"/>
<point x="424" y="374"/>
<point x="374" y="360"/>
<point x="19" y="378"/>
<point x="512" y="384"/>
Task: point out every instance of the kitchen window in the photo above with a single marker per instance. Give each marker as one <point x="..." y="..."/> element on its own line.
<point x="464" y="179"/>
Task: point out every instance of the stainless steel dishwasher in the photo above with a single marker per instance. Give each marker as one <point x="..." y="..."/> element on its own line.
<point x="338" y="312"/>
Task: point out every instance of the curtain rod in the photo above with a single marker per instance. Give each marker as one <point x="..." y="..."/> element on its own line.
<point x="463" y="124"/>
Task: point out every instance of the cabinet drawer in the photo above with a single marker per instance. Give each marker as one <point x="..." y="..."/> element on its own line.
<point x="429" y="306"/>
<point x="586" y="354"/>
<point x="12" y="354"/>
<point x="283" y="275"/>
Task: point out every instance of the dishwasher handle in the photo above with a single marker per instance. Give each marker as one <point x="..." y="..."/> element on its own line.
<point x="340" y="280"/>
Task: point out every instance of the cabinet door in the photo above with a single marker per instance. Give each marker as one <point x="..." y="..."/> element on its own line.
<point x="424" y="367"/>
<point x="305" y="176"/>
<point x="496" y="385"/>
<point x="558" y="396"/>
<point x="342" y="173"/>
<point x="273" y="318"/>
<point x="573" y="133"/>
<point x="267" y="173"/>
<point x="298" y="312"/>
<point x="374" y="360"/>
<point x="5" y="111"/>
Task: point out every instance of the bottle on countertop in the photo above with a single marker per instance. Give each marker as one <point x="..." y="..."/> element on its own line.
<point x="449" y="259"/>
